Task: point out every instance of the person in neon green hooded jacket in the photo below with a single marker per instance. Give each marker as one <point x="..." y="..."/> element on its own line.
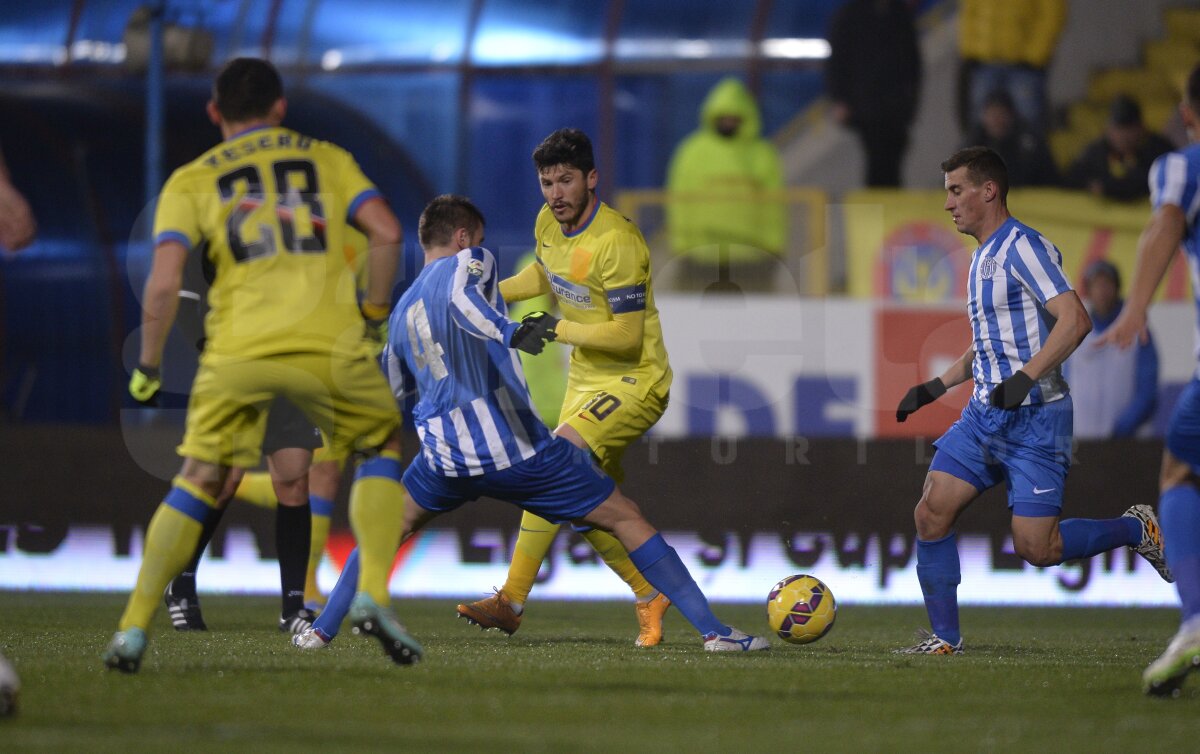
<point x="721" y="184"/>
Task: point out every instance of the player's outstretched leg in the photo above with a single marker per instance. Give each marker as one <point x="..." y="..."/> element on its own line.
<point x="650" y="604"/>
<point x="376" y="516"/>
<point x="370" y="619"/>
<point x="1180" y="509"/>
<point x="329" y="622"/>
<point x="322" y="517"/>
<point x="661" y="566"/>
<point x="503" y="610"/>
<point x="170" y="543"/>
<point x="1150" y="546"/>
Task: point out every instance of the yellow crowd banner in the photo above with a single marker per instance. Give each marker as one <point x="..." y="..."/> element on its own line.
<point x="902" y="245"/>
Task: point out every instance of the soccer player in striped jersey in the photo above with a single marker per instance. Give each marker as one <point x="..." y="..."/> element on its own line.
<point x="480" y="435"/>
<point x="1016" y="428"/>
<point x="270" y="207"/>
<point x="597" y="265"/>
<point x="1175" y="196"/>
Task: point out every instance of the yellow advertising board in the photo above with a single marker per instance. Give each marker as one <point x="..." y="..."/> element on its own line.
<point x="901" y="245"/>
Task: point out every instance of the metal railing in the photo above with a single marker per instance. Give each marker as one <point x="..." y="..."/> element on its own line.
<point x="806" y="254"/>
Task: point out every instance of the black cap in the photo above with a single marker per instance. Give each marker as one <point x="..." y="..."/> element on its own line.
<point x="1125" y="111"/>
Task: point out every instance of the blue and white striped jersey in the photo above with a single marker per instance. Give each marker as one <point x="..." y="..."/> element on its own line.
<point x="1013" y="274"/>
<point x="1175" y="179"/>
<point x="474" y="414"/>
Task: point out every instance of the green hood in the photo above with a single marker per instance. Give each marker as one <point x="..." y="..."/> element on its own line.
<point x="731" y="97"/>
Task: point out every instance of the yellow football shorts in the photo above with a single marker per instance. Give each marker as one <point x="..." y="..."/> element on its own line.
<point x="346" y="397"/>
<point x="609" y="420"/>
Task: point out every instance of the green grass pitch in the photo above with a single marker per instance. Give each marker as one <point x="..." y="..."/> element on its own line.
<point x="570" y="680"/>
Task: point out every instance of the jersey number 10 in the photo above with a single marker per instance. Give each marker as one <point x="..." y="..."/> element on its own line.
<point x="298" y="209"/>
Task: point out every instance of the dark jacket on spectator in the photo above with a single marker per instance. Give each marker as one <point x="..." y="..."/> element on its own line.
<point x="1119" y="179"/>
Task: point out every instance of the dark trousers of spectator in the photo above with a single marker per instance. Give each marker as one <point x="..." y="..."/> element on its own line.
<point x="885" y="143"/>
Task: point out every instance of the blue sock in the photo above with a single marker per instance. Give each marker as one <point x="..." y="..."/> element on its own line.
<point x="661" y="566"/>
<point x="1179" y="516"/>
<point x="1085" y="537"/>
<point x="939" y="572"/>
<point x="330" y="620"/>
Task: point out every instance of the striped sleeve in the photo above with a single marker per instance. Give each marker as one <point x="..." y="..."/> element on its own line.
<point x="1170" y="182"/>
<point x="397" y="373"/>
<point x="471" y="294"/>
<point x="1037" y="264"/>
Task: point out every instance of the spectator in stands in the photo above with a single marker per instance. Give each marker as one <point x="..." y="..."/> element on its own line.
<point x="873" y="77"/>
<point x="17" y="226"/>
<point x="1023" y="150"/>
<point x="1117" y="165"/>
<point x="1008" y="44"/>
<point x="1115" y="390"/>
<point x="725" y="214"/>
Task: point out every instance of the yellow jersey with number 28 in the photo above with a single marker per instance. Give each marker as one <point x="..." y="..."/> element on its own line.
<point x="270" y="208"/>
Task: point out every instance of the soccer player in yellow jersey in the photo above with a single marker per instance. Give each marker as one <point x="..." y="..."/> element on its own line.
<point x="269" y="207"/>
<point x="597" y="265"/>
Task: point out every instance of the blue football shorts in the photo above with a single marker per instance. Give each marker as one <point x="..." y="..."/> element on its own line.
<point x="1029" y="449"/>
<point x="560" y="483"/>
<point x="1183" y="431"/>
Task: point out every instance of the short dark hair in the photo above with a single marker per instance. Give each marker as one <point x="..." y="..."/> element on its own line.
<point x="982" y="164"/>
<point x="1193" y="89"/>
<point x="246" y="88"/>
<point x="1125" y="111"/>
<point x="1103" y="267"/>
<point x="444" y="215"/>
<point x="566" y="146"/>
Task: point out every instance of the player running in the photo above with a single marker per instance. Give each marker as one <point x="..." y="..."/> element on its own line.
<point x="1175" y="196"/>
<point x="267" y="205"/>
<point x="1017" y="426"/>
<point x="479" y="433"/>
<point x="598" y="266"/>
<point x="288" y="443"/>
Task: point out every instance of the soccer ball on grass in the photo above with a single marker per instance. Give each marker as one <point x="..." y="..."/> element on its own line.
<point x="801" y="609"/>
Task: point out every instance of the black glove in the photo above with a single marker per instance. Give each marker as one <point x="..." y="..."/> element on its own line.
<point x="1009" y="394"/>
<point x="144" y="384"/>
<point x="918" y="396"/>
<point x="537" y="329"/>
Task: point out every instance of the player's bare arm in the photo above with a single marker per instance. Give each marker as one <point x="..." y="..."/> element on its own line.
<point x="384" y="236"/>
<point x="1157" y="245"/>
<point x="960" y="371"/>
<point x="160" y="300"/>
<point x="1072" y="324"/>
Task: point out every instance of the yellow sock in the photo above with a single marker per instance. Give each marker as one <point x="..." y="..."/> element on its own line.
<point x="537" y="534"/>
<point x="316" y="551"/>
<point x="170" y="543"/>
<point x="617" y="558"/>
<point x="256" y="489"/>
<point x="376" y="516"/>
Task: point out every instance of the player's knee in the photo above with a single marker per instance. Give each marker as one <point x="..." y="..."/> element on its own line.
<point x="1040" y="554"/>
<point x="929" y="524"/>
<point x="1175" y="473"/>
<point x="292" y="494"/>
